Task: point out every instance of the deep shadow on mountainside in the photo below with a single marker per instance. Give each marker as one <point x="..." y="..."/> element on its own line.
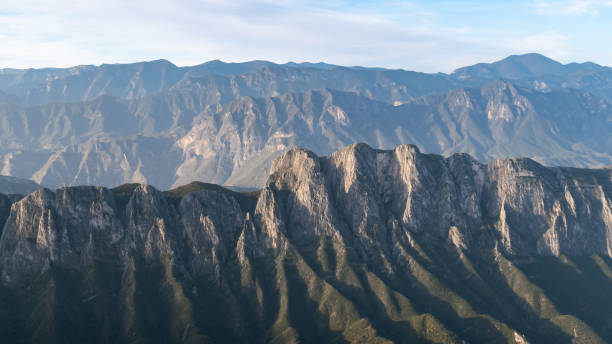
<point x="363" y="245"/>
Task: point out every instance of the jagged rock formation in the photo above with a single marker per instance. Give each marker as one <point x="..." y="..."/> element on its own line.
<point x="362" y="245"/>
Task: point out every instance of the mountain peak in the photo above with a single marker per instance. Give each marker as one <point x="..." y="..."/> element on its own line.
<point x="512" y="67"/>
<point x="158" y="62"/>
<point x="162" y="62"/>
<point x="530" y="59"/>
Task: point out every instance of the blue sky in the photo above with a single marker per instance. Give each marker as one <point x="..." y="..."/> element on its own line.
<point x="426" y="36"/>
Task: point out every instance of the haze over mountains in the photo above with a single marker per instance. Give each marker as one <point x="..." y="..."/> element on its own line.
<point x="225" y="122"/>
<point x="17" y="186"/>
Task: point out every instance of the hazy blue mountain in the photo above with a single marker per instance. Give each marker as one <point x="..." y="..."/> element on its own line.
<point x="13" y="185"/>
<point x="41" y="86"/>
<point x="225" y="122"/>
<point x="236" y="144"/>
<point x="524" y="66"/>
<point x="55" y="126"/>
<point x="541" y="73"/>
<point x="136" y="80"/>
<point x="262" y="78"/>
<point x="9" y="98"/>
<point x="564" y="127"/>
<point x="512" y="67"/>
<point x="133" y="80"/>
<point x="316" y="65"/>
<point x="109" y="162"/>
<point x="393" y="86"/>
<point x="598" y="83"/>
<point x="217" y="67"/>
<point x="361" y="246"/>
<point x="110" y="141"/>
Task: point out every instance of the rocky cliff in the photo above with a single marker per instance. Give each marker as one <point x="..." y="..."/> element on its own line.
<point x="363" y="245"/>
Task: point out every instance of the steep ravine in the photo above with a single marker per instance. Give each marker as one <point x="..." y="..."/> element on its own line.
<point x="363" y="245"/>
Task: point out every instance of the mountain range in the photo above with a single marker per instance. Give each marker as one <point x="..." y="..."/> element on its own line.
<point x="225" y="122"/>
<point x="363" y="245"/>
<point x="464" y="235"/>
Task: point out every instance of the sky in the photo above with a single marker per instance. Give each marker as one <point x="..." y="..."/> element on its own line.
<point x="428" y="36"/>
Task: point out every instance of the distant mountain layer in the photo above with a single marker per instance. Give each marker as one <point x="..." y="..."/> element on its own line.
<point x="80" y="83"/>
<point x="524" y="66"/>
<point x="137" y="80"/>
<point x="12" y="185"/>
<point x="541" y="73"/>
<point x="111" y="141"/>
<point x="224" y="123"/>
<point x="364" y="246"/>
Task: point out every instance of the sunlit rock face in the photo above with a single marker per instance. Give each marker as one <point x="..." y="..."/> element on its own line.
<point x="362" y="245"/>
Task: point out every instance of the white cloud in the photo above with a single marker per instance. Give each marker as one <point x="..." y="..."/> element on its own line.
<point x="37" y="33"/>
<point x="550" y="43"/>
<point x="391" y="33"/>
<point x="571" y="7"/>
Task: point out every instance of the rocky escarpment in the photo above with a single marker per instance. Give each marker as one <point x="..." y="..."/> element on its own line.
<point x="519" y="205"/>
<point x="363" y="245"/>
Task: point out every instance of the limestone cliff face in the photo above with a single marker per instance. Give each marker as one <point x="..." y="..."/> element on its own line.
<point x="68" y="228"/>
<point x="363" y="245"/>
<point x="73" y="227"/>
<point x="378" y="197"/>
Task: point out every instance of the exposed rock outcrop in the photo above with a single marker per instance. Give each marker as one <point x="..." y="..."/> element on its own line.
<point x="363" y="245"/>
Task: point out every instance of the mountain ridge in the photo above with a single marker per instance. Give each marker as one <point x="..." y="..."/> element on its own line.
<point x="110" y="141"/>
<point x="363" y="245"/>
<point x="155" y="109"/>
<point x="23" y="82"/>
